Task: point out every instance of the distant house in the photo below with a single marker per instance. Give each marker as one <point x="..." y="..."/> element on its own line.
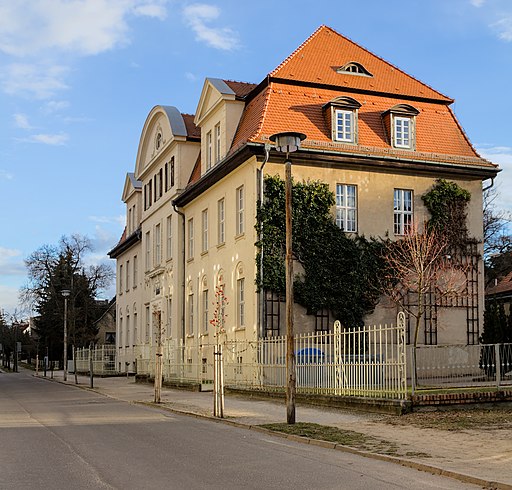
<point x="501" y="292"/>
<point x="106" y="325"/>
<point x="379" y="137"/>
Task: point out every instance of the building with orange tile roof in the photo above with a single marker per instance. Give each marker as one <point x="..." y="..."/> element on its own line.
<point x="371" y="130"/>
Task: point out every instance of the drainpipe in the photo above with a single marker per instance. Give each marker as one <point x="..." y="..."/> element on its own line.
<point x="262" y="292"/>
<point x="182" y="272"/>
<point x="489" y="186"/>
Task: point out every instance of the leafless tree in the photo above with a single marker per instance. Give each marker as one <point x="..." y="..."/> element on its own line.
<point x="418" y="264"/>
<point x="496" y="239"/>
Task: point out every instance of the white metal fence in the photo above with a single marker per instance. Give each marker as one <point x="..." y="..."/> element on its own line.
<point x="365" y="362"/>
<point x="103" y="360"/>
<point x="462" y="365"/>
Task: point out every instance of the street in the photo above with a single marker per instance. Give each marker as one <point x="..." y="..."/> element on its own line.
<point x="56" y="436"/>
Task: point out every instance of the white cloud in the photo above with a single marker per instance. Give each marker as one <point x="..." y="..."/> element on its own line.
<point x="56" y="106"/>
<point x="190" y="76"/>
<point x="21" y="121"/>
<point x="49" y="139"/>
<point x="4" y="175"/>
<point x="83" y="27"/>
<point x="9" y="298"/>
<point x="477" y="3"/>
<point x="11" y="262"/>
<point x="198" y="15"/>
<point x="34" y="80"/>
<point x="155" y="10"/>
<point x="120" y="220"/>
<point x="504" y="28"/>
<point x="502" y="155"/>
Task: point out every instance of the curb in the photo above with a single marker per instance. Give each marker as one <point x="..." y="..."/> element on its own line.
<point x="434" y="470"/>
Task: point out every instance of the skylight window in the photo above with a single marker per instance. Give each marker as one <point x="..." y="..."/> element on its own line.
<point x="354" y="68"/>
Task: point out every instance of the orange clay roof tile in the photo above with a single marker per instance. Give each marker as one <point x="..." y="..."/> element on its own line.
<point x="319" y="57"/>
<point x="295" y="93"/>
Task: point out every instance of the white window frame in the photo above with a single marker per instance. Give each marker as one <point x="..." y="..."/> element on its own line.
<point x="240" y="295"/>
<point x="135" y="271"/>
<point x="148" y="251"/>
<point x="343" y="132"/>
<point x="127" y="276"/>
<point x="191" y="313"/>
<point x="158" y="245"/>
<point x="205" y="308"/>
<point x="169" y="317"/>
<point x="217" y="143"/>
<point x="204" y="230"/>
<point x="148" y="324"/>
<point x="240" y="213"/>
<point x="403" y="211"/>
<point x="120" y="279"/>
<point x="221" y="227"/>
<point x="346" y="207"/>
<point x="190" y="247"/>
<point x="209" y="150"/>
<point x="169" y="238"/>
<point x="403" y="132"/>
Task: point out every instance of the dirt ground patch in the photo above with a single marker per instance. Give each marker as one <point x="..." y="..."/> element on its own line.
<point x="456" y="420"/>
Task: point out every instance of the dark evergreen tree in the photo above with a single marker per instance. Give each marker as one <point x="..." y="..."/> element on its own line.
<point x="53" y="269"/>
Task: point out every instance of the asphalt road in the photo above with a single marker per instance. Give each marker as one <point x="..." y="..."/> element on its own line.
<point x="55" y="436"/>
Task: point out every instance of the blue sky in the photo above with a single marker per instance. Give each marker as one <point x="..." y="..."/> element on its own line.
<point x="78" y="78"/>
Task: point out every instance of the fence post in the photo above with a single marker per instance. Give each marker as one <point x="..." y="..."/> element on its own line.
<point x="498" y="364"/>
<point x="91" y="375"/>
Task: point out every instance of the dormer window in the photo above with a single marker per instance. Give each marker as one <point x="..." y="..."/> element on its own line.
<point x="341" y="115"/>
<point x="400" y="121"/>
<point x="354" y="68"/>
<point x="344" y="125"/>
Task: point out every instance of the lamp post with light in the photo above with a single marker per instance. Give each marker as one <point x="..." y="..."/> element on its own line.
<point x="289" y="142"/>
<point x="65" y="293"/>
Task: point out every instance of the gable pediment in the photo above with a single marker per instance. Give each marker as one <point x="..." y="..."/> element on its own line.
<point x="214" y="91"/>
<point x="164" y="125"/>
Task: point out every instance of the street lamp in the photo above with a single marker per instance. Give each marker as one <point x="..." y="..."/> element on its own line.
<point x="65" y="293"/>
<point x="289" y="142"/>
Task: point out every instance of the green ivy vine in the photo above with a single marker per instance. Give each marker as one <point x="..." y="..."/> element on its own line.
<point x="339" y="272"/>
<point x="447" y="203"/>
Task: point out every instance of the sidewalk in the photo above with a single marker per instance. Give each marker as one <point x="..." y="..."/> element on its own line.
<point x="481" y="456"/>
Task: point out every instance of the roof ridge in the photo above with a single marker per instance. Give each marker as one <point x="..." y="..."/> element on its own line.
<point x="390" y="64"/>
<point x="323" y="27"/>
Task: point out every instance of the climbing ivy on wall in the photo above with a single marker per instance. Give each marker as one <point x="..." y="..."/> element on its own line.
<point x="447" y="203"/>
<point x="339" y="272"/>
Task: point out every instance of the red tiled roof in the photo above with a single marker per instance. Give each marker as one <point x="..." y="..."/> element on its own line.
<point x="282" y="105"/>
<point x="503" y="286"/>
<point x="318" y="58"/>
<point x="192" y="130"/>
<point x="241" y="89"/>
<point x="196" y="171"/>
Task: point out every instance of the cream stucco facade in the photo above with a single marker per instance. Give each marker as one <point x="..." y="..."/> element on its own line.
<point x="191" y="210"/>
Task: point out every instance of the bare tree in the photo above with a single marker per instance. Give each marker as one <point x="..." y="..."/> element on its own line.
<point x="53" y="268"/>
<point x="418" y="264"/>
<point x="496" y="238"/>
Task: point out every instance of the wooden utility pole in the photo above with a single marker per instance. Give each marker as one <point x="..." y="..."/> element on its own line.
<point x="290" y="347"/>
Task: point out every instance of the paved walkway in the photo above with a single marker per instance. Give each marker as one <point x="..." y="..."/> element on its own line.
<point x="478" y="456"/>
